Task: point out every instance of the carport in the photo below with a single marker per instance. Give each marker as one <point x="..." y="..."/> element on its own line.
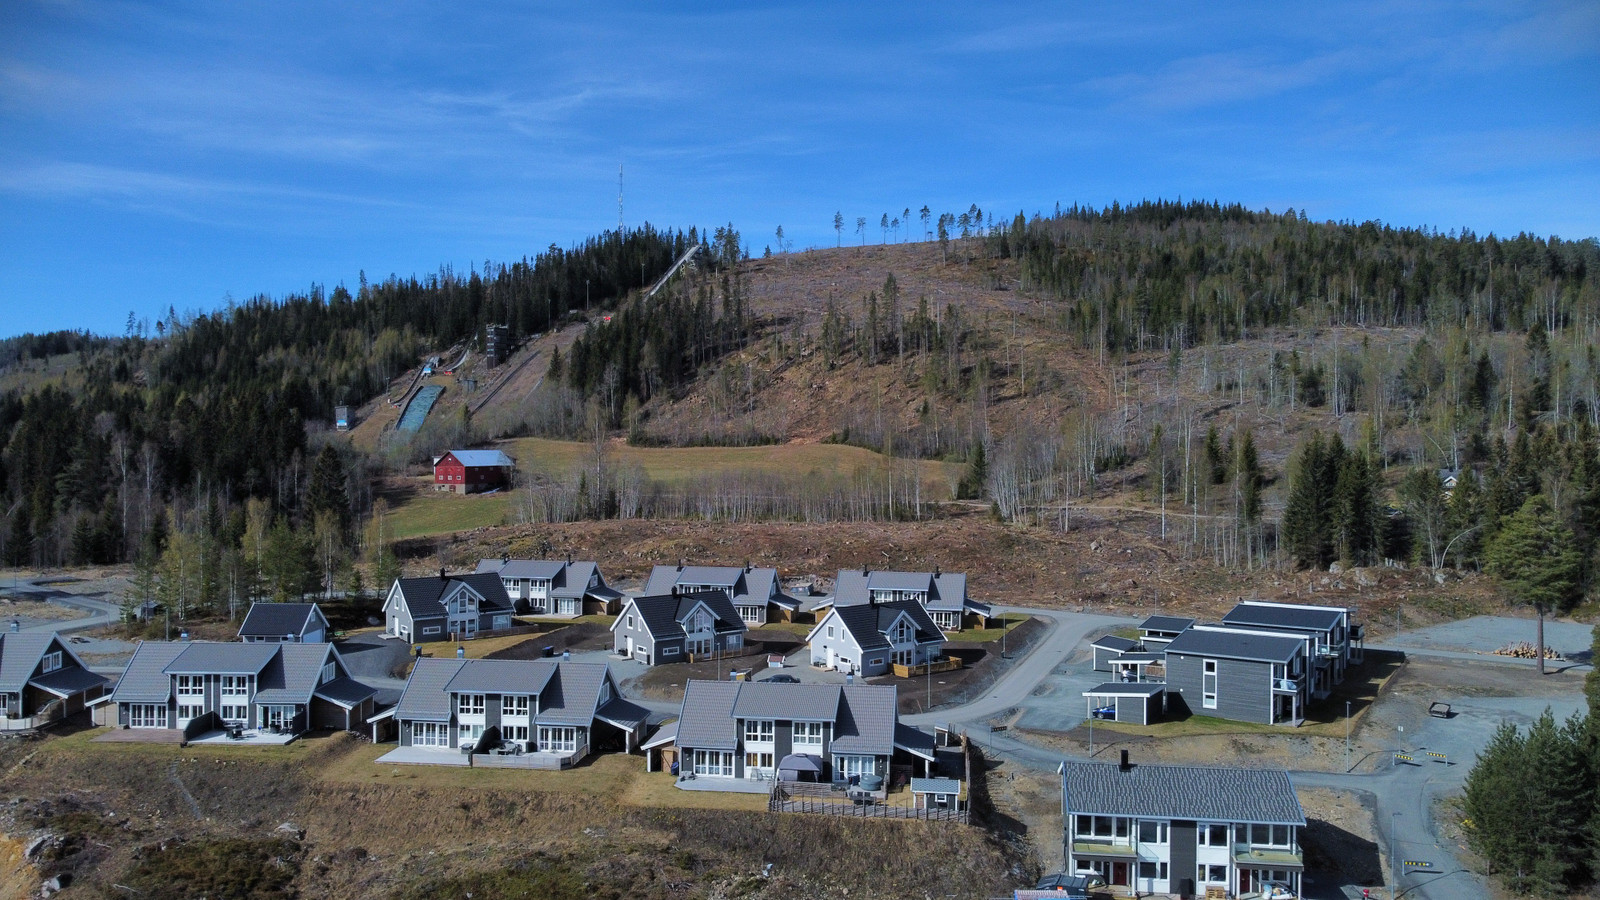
<point x="1137" y="703"/>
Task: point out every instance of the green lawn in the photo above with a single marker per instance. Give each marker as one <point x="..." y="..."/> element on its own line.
<point x="443" y="513"/>
<point x="998" y="626"/>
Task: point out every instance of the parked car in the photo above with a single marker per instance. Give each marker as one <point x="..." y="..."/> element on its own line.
<point x="781" y="679"/>
<point x="1276" y="890"/>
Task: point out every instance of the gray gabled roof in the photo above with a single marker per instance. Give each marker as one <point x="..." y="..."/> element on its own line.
<point x="752" y="586"/>
<point x="522" y="568"/>
<point x="215" y="658"/>
<point x="1166" y="623"/>
<point x="771" y="700"/>
<point x="293" y="673"/>
<point x="1258" y="647"/>
<point x="623" y="714"/>
<point x="1200" y="793"/>
<point x="869" y="624"/>
<point x="20" y="653"/>
<point x="69" y="680"/>
<point x="573" y="696"/>
<point x="422" y="595"/>
<point x="867" y="719"/>
<point x="275" y="620"/>
<point x="666" y="734"/>
<point x="706" y="720"/>
<point x="915" y="741"/>
<point x="664" y="614"/>
<point x="345" y="692"/>
<point x="1112" y="642"/>
<point x="946" y="591"/>
<point x="144" y="679"/>
<point x="502" y="676"/>
<point x="1284" y="615"/>
<point x="935" y="786"/>
<point x="424" y="697"/>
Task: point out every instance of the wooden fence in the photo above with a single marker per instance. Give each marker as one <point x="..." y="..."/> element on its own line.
<point x="948" y="664"/>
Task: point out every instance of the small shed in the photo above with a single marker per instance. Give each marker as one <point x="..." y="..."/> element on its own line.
<point x="661" y="751"/>
<point x="341" y="418"/>
<point x="1137" y="703"/>
<point x="1108" y="648"/>
<point x="936" y="793"/>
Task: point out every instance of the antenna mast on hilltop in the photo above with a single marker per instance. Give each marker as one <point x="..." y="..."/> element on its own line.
<point x="619" y="200"/>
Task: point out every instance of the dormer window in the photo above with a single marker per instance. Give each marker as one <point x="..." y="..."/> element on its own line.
<point x="330" y="671"/>
<point x="52" y="661"/>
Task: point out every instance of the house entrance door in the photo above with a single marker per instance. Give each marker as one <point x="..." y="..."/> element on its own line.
<point x="1119" y="873"/>
<point x="1244" y="881"/>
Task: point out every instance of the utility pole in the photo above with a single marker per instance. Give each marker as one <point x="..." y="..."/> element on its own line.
<point x="619" y="201"/>
<point x="1394" y="861"/>
<point x="1347" y="735"/>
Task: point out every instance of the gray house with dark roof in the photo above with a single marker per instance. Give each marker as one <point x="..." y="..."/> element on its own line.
<point x="755" y="592"/>
<point x="868" y="639"/>
<point x="1244" y="674"/>
<point x="673" y="627"/>
<point x="282" y="689"/>
<point x="1181" y="829"/>
<point x="942" y="594"/>
<point x="41" y="680"/>
<point x="554" y="587"/>
<point x="271" y="623"/>
<point x="730" y="733"/>
<point x="1156" y="632"/>
<point x="446" y="607"/>
<point x="1334" y="642"/>
<point x="543" y="713"/>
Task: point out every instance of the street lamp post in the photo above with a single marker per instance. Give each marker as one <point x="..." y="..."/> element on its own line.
<point x="1347" y="735"/>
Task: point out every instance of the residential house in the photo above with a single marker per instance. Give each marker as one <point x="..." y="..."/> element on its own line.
<point x="551" y="713"/>
<point x="1335" y="643"/>
<point x="1181" y="830"/>
<point x="446" y="607"/>
<point x="868" y="639"/>
<point x="1108" y="648"/>
<point x="672" y="627"/>
<point x="1244" y="674"/>
<point x="42" y="680"/>
<point x="472" y="471"/>
<point x="755" y="592"/>
<point x="285" y="689"/>
<point x="1156" y="632"/>
<point x="730" y="733"/>
<point x="271" y="623"/>
<point x="942" y="594"/>
<point x="554" y="587"/>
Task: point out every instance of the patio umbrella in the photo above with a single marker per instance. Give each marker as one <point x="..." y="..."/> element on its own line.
<point x="801" y="762"/>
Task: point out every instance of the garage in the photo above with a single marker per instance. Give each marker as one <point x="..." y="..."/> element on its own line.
<point x="1135" y="703"/>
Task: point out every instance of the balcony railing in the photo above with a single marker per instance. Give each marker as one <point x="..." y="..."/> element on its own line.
<point x="1288" y="685"/>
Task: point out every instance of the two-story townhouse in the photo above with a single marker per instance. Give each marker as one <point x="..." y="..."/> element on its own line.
<point x="446" y="607"/>
<point x="756" y="593"/>
<point x="41" y="680"/>
<point x="271" y="623"/>
<point x="547" y="713"/>
<point x="942" y="594"/>
<point x="868" y="639"/>
<point x="729" y="733"/>
<point x="673" y="627"/>
<point x="282" y="689"/>
<point x="554" y="587"/>
<point x="1180" y="830"/>
<point x="1238" y="673"/>
<point x="1336" y="643"/>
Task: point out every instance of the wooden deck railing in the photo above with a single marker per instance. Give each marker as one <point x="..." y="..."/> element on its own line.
<point x="948" y="664"/>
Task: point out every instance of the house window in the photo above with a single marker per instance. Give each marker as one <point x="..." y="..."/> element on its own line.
<point x="669" y="651"/>
<point x="757" y="765"/>
<point x="516" y="706"/>
<point x="471" y="733"/>
<point x="1153" y="870"/>
<point x="1102" y="826"/>
<point x="713" y="763"/>
<point x="52" y="661"/>
<point x="830" y="631"/>
<point x="190" y="711"/>
<point x="630" y="621"/>
<point x="515" y="734"/>
<point x="191" y="685"/>
<point x="430" y="734"/>
<point x="758" y="731"/>
<point x="1213" y="835"/>
<point x="235" y="686"/>
<point x="1152" y="832"/>
<point x="1208" y="685"/>
<point x="235" y="712"/>
<point x="878" y="661"/>
<point x="431" y="629"/>
<point x="846" y="766"/>
<point x="554" y="739"/>
<point x="147" y="715"/>
<point x="1270" y="835"/>
<point x="808" y="734"/>
<point x="330" y="672"/>
<point x="1214" y="874"/>
<point x="752" y="614"/>
<point x="469" y="704"/>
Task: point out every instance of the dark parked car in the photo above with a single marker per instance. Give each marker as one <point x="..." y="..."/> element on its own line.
<point x="782" y="679"/>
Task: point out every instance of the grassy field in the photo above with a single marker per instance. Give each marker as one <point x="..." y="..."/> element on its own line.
<point x="679" y="464"/>
<point x="478" y="648"/>
<point x="427" y="512"/>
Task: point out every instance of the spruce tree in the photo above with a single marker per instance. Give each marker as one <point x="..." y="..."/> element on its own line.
<point x="1534" y="557"/>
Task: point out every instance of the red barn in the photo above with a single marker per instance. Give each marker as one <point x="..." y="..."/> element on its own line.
<point x="471" y="471"/>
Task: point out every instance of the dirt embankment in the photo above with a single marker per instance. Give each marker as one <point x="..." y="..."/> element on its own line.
<point x="18" y="879"/>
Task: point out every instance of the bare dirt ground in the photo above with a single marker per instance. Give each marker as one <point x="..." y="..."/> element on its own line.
<point x="33" y="609"/>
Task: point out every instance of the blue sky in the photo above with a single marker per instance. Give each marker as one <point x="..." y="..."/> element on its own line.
<point x="156" y="154"/>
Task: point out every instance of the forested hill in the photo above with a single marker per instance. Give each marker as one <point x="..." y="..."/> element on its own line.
<point x="213" y="407"/>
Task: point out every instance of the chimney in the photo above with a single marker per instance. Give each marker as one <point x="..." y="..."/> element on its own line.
<point x="674" y="590"/>
<point x="863" y="571"/>
<point x="1125" y="765"/>
<point x="747" y="567"/>
<point x="441" y="573"/>
<point x="505" y="558"/>
<point x="569" y="557"/>
<point x="936" y="571"/>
